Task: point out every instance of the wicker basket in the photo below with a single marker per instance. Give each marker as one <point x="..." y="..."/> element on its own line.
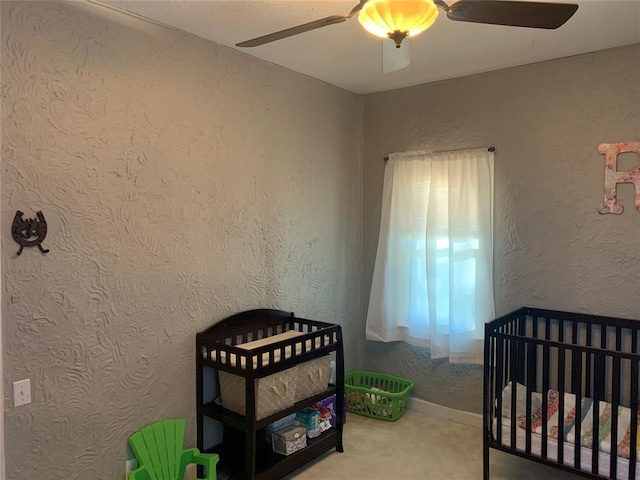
<point x="273" y="393"/>
<point x="377" y="395"/>
<point x="312" y="377"/>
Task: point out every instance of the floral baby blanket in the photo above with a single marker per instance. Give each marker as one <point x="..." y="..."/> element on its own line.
<point x="567" y="426"/>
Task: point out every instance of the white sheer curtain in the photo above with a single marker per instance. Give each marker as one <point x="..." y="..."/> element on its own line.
<point x="433" y="276"/>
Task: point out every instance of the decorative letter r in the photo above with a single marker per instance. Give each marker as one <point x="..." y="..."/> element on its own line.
<point x="612" y="176"/>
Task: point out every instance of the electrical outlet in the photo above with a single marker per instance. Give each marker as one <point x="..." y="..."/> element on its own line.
<point x="130" y="466"/>
<point x="21" y="392"/>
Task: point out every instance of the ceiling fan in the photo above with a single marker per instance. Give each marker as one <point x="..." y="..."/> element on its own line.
<point x="399" y="19"/>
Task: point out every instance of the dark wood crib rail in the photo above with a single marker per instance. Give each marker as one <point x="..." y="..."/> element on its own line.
<point x="586" y="355"/>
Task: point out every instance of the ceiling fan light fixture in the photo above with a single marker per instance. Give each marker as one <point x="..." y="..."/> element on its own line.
<point x="385" y="18"/>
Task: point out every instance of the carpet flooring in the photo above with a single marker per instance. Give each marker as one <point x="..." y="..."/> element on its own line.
<point x="418" y="447"/>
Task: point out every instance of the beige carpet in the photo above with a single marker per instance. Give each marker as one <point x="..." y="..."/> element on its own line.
<point x="418" y="447"/>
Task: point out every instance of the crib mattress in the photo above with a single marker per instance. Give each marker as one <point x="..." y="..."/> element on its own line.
<point x="288" y="351"/>
<point x="566" y="428"/>
<point x="568" y="452"/>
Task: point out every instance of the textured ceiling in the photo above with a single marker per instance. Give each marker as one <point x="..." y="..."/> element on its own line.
<point x="347" y="56"/>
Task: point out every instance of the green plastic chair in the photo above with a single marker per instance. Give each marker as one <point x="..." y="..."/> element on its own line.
<point x="158" y="449"/>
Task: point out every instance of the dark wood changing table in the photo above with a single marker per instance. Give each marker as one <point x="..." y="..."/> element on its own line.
<point x="243" y="449"/>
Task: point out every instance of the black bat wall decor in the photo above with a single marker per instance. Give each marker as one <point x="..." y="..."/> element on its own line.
<point x="29" y="232"/>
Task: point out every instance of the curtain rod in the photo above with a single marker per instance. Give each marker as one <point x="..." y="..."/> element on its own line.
<point x="490" y="149"/>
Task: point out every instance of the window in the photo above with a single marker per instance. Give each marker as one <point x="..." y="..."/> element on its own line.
<point x="432" y="283"/>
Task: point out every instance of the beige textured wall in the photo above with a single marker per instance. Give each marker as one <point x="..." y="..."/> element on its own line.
<point x="182" y="182"/>
<point x="552" y="249"/>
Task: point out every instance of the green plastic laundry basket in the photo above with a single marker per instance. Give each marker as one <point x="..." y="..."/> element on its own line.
<point x="377" y="395"/>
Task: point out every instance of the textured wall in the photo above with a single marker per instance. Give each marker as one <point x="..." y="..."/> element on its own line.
<point x="552" y="248"/>
<point x="182" y="182"/>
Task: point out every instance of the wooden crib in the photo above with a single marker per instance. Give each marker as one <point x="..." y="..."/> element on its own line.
<point x="561" y="389"/>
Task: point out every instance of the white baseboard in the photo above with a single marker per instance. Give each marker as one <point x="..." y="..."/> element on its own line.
<point x="445" y="413"/>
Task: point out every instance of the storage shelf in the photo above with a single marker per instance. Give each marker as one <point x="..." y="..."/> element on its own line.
<point x="271" y="465"/>
<point x="224" y="415"/>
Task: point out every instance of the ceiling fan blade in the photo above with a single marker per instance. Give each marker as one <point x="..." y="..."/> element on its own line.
<point x="512" y="13"/>
<point x="394" y="59"/>
<point x="290" y="32"/>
